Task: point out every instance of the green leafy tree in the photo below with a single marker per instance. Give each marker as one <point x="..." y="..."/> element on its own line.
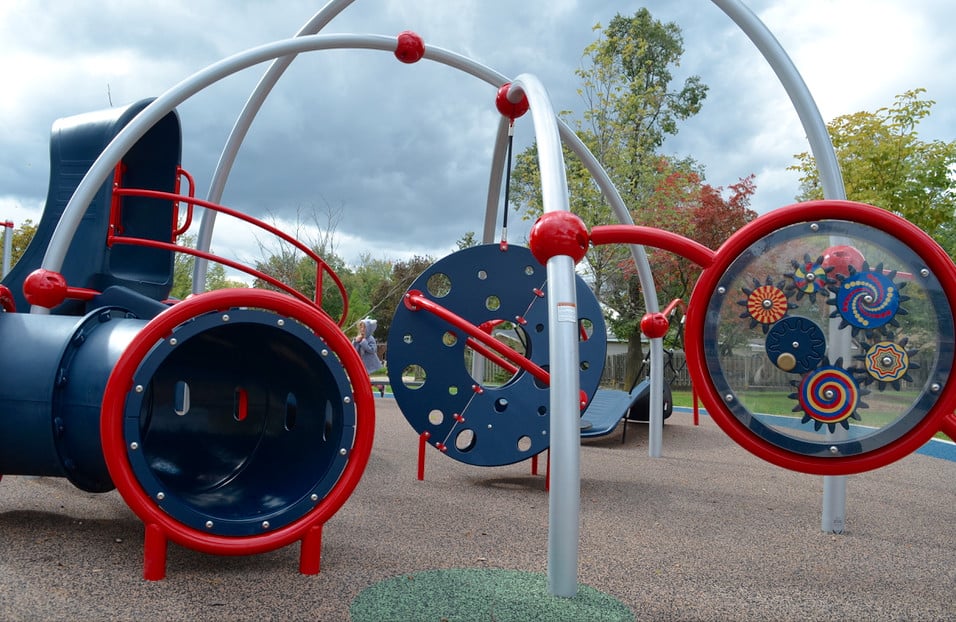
<point x="630" y="107"/>
<point x="22" y="236"/>
<point x="216" y="276"/>
<point x="885" y="163"/>
<point x="388" y="294"/>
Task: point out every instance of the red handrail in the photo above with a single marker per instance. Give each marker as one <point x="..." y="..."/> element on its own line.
<point x="322" y="267"/>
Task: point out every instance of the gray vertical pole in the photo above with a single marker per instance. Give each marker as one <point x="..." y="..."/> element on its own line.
<point x="834" y="487"/>
<point x="7" y="245"/>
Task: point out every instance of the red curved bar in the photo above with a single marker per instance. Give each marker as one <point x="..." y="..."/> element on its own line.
<point x="649" y="236"/>
<point x="414" y="300"/>
<point x="936" y="259"/>
<point x="321" y="266"/>
<point x="120" y="384"/>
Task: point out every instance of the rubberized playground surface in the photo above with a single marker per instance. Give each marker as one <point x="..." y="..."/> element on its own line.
<point x="708" y="532"/>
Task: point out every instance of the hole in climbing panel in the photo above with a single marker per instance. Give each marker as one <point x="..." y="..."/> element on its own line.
<point x="465" y="440"/>
<point x="501" y="405"/>
<point x="449" y="338"/>
<point x="585" y="329"/>
<point x="240" y="404"/>
<point x="492" y="303"/>
<point x="292" y="411"/>
<point x="436" y="417"/>
<point x="529" y="270"/>
<point x="181" y="398"/>
<point x="488" y="367"/>
<point x="413" y="377"/>
<point x="482" y="275"/>
<point x="438" y="285"/>
<point x="524" y="443"/>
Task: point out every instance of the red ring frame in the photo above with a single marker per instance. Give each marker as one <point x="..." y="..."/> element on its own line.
<point x="120" y="383"/>
<point x="936" y="260"/>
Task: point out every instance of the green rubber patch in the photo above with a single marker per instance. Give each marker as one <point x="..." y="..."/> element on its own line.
<point x="481" y="595"/>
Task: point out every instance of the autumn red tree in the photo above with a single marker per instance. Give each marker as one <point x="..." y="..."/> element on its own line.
<point x="682" y="203"/>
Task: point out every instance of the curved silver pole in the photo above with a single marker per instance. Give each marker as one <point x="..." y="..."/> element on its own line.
<point x="494" y="180"/>
<point x="564" y="498"/>
<point x="655" y="437"/>
<point x="833" y="518"/>
<point x="124" y="140"/>
<point x="241" y="128"/>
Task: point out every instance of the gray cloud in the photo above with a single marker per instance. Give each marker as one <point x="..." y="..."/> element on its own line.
<point x="404" y="151"/>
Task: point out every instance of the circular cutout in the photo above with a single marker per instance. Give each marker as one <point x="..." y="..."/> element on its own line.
<point x="438" y="285"/>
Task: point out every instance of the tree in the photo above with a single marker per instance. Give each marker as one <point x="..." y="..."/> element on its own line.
<point x="388" y="294"/>
<point x="22" y="236"/>
<point x="682" y="203"/>
<point x="886" y="164"/>
<point x="630" y="109"/>
<point x="216" y="277"/>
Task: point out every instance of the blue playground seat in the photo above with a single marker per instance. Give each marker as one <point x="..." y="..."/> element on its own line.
<point x="609" y="407"/>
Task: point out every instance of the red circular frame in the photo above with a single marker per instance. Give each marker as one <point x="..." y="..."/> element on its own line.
<point x="120" y="383"/>
<point x="936" y="260"/>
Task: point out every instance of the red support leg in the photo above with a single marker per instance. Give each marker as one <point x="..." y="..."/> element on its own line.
<point x="310" y="555"/>
<point x="693" y="396"/>
<point x="534" y="464"/>
<point x="154" y="553"/>
<point x="547" y="476"/>
<point x="422" y="443"/>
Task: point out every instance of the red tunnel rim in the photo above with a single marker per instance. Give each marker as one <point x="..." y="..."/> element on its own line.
<point x="937" y="261"/>
<point x="120" y="383"/>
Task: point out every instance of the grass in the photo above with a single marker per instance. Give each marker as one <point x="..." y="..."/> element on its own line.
<point x="883" y="407"/>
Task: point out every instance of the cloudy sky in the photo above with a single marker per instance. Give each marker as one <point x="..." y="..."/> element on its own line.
<point x="402" y="152"/>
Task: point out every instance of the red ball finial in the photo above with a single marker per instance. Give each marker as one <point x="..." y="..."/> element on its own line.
<point x="558" y="233"/>
<point x="654" y="325"/>
<point x="507" y="107"/>
<point x="410" y="47"/>
<point x="45" y="288"/>
<point x="840" y="258"/>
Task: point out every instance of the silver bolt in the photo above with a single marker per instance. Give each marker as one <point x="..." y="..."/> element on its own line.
<point x="935" y="387"/>
<point x="814" y="227"/>
<point x="173" y="341"/>
<point x="139" y="388"/>
<point x="886" y="361"/>
<point x="721" y="290"/>
<point x="924" y="273"/>
<point x="767" y="304"/>
<point x="209" y="524"/>
<point x="314" y="497"/>
<point x="489" y="426"/>
<point x="834" y="450"/>
<point x="265" y="524"/>
<point x="281" y="322"/>
<point x="160" y="495"/>
<point x="729" y="397"/>
<point x="325" y="352"/>
<point x="134" y="445"/>
<point x="225" y="317"/>
<point x="343" y="451"/>
<point x="347" y="400"/>
<point x="868" y="299"/>
<point x="828" y="394"/>
<point x="795" y="344"/>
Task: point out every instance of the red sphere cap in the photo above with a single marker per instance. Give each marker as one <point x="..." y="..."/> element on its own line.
<point x="840" y="258"/>
<point x="558" y="233"/>
<point x="45" y="288"/>
<point x="410" y="47"/>
<point x="654" y="325"/>
<point x="507" y="107"/>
